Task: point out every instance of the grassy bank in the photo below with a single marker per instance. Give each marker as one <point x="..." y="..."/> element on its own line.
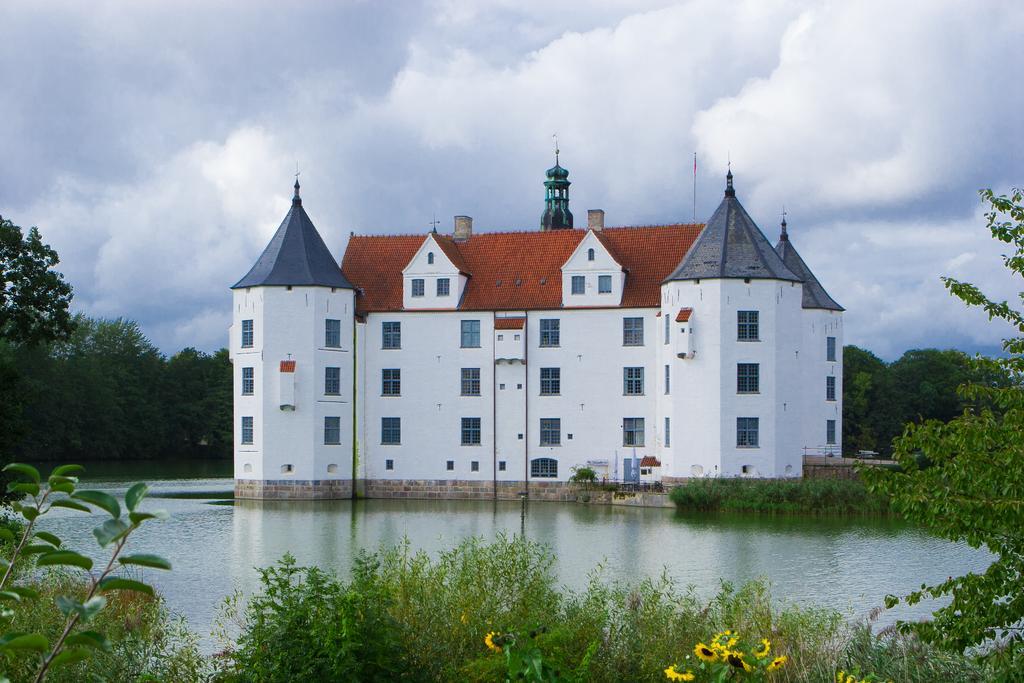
<point x="803" y="496"/>
<point x="406" y="616"/>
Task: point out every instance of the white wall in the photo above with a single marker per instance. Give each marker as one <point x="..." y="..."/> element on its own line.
<point x="421" y="268"/>
<point x="289" y="324"/>
<point x="578" y="264"/>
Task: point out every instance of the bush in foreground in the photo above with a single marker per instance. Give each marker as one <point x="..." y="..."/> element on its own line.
<point x="408" y="616"/>
<point x="786" y="496"/>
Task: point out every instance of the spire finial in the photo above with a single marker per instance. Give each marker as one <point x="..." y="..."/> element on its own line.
<point x="784" y="236"/>
<point x="296" y="199"/>
<point x="729" y="190"/>
<point x="554" y="136"/>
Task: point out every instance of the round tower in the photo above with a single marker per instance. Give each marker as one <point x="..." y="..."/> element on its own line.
<point x="293" y="355"/>
<point x="556" y="214"/>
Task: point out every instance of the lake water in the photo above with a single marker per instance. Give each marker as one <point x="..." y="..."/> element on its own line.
<point x="215" y="547"/>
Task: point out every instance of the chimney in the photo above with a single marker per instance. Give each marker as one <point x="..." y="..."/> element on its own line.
<point x="595" y="219"/>
<point x="463" y="228"/>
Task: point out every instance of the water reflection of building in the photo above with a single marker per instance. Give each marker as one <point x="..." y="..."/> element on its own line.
<point x="475" y="365"/>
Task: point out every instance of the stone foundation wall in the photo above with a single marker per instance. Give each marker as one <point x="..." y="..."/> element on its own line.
<point x="465" y="489"/>
<point x="293" y="489"/>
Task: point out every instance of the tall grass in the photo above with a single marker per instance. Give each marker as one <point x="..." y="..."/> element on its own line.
<point x="787" y="496"/>
<point x="408" y="616"/>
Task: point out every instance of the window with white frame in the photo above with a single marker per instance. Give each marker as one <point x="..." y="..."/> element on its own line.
<point x="550" y="381"/>
<point x="449" y="465"/>
<point x="470" y="381"/>
<point x="332" y="381"/>
<point x="633" y="431"/>
<point x="549" y="332"/>
<point x="550" y="431"/>
<point x="830" y="349"/>
<point x="470" y="334"/>
<point x="747" y="326"/>
<point x="391" y="431"/>
<point x="391" y="382"/>
<point x="474" y="466"/>
<point x="430" y="258"/>
<point x="579" y="284"/>
<point x="830" y="388"/>
<point x="332" y="431"/>
<point x="590" y="254"/>
<point x="248" y="381"/>
<point x="604" y="284"/>
<point x="668" y="432"/>
<point x="389" y="464"/>
<point x="391" y="335"/>
<point x="830" y="432"/>
<point x="417" y="286"/>
<point x="332" y="334"/>
<point x="668" y="328"/>
<point x="471" y="431"/>
<point x="748" y="376"/>
<point x="443" y="286"/>
<point x="247" y="334"/>
<point x="633" y="381"/>
<point x="544" y="468"/>
<point x="747" y="429"/>
<point x="632" y="331"/>
<point x="247" y="430"/>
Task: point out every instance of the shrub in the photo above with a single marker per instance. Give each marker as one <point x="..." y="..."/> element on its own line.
<point x="816" y="496"/>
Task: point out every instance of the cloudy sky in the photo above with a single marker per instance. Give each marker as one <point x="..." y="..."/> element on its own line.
<point x="154" y="144"/>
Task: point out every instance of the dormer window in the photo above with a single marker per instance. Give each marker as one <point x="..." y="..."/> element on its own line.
<point x="443" y="286"/>
<point x="430" y="258"/>
<point x="417" y="287"/>
<point x="604" y="284"/>
<point x="579" y="284"/>
<point x="590" y="254"/>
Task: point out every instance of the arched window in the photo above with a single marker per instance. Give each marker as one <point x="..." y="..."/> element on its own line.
<point x="590" y="254"/>
<point x="544" y="467"/>
<point x="430" y="257"/>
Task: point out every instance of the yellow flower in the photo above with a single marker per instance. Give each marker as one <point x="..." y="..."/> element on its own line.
<point x="766" y="647"/>
<point x="840" y="675"/>
<point x="673" y="675"/>
<point x="735" y="659"/>
<point x="705" y="653"/>
<point x="489" y="642"/>
<point x="464" y="619"/>
<point x="778" y="662"/>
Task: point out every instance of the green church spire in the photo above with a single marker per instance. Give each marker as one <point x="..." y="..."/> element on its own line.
<point x="556" y="198"/>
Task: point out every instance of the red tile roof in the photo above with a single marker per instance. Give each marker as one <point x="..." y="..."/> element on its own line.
<point x="451" y="250"/>
<point x="516" y="270"/>
<point x="684" y="315"/>
<point x="649" y="461"/>
<point x="509" y="323"/>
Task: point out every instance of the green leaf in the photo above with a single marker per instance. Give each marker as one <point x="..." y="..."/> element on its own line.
<point x="100" y="499"/>
<point x="29" y="512"/>
<point x="144" y="560"/>
<point x="27" y="593"/>
<point x="49" y="538"/>
<point x="92" y="607"/>
<point x="67" y="605"/>
<point x="92" y="639"/>
<point x="6" y="534"/>
<point x="36" y="548"/>
<point x="139" y="517"/>
<point x="64" y="558"/>
<point x="70" y="504"/>
<point x="10" y="595"/>
<point x="69" y="656"/>
<point x="31" y="488"/>
<point x="25" y="470"/>
<point x="110" y="530"/>
<point x="134" y="495"/>
<point x="63" y="487"/>
<point x="113" y="583"/>
<point x="24" y="641"/>
<point x="65" y="470"/>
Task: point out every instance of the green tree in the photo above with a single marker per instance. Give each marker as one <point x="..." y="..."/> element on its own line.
<point x="34" y="298"/>
<point x="866" y="397"/>
<point x="964" y="479"/>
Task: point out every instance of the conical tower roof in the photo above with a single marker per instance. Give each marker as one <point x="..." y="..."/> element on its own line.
<point x="731" y="246"/>
<point x="815" y="295"/>
<point x="296" y="256"/>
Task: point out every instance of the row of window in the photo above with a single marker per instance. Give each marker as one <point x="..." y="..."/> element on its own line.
<point x="442" y="286"/>
<point x="539" y="467"/>
<point x="332" y="333"/>
<point x="550" y="433"/>
<point x="550" y="333"/>
<point x="748" y="380"/>
<point x="579" y="284"/>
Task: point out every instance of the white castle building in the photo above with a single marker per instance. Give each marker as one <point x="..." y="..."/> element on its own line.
<point x="480" y="365"/>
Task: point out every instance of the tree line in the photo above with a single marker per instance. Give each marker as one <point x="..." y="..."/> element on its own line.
<point x="106" y="392"/>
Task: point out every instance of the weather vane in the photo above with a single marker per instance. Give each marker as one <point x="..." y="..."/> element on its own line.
<point x="296" y="171"/>
<point x="554" y="136"/>
<point x="434" y="223"/>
